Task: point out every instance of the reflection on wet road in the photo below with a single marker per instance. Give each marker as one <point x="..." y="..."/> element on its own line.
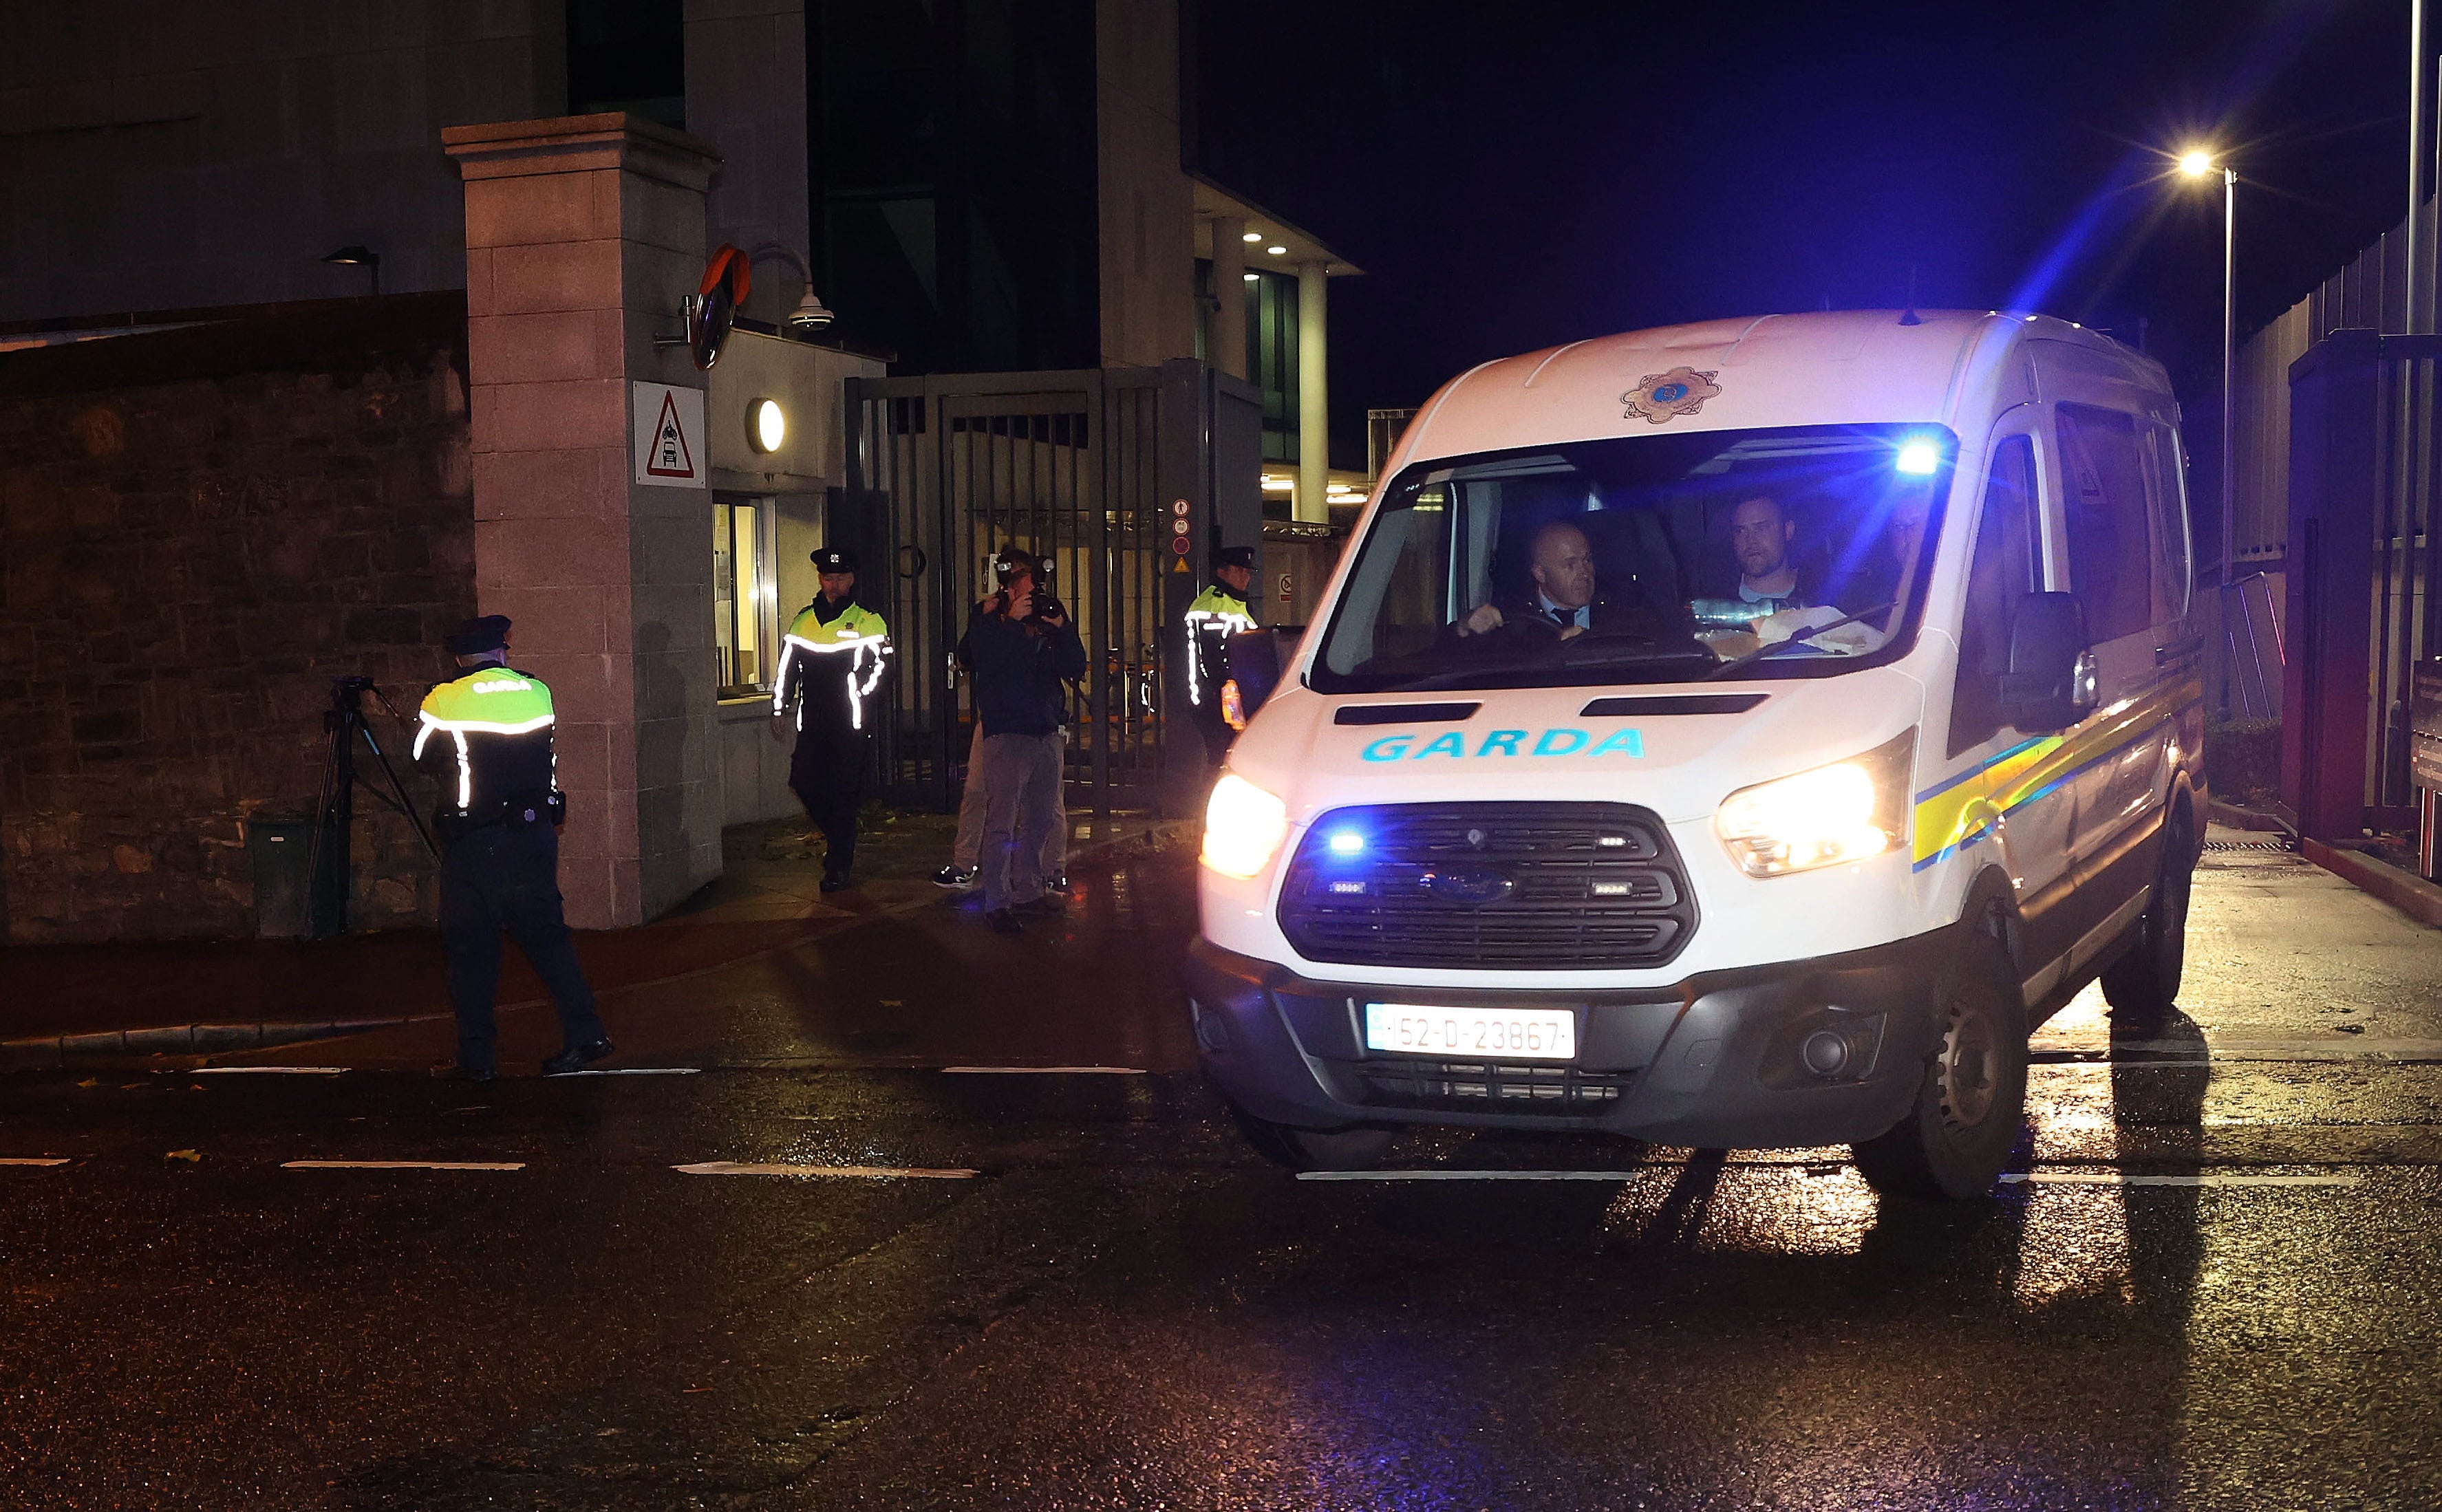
<point x="735" y="1288"/>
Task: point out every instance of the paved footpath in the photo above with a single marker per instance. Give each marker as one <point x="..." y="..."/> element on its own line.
<point x="865" y="1244"/>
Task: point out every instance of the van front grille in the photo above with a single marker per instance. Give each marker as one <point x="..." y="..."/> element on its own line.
<point x="1562" y="1091"/>
<point x="1522" y="886"/>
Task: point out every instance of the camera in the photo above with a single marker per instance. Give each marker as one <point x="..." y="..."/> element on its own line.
<point x="345" y="691"/>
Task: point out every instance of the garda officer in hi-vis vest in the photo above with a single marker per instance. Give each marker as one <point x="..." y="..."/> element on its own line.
<point x="1219" y="613"/>
<point x="831" y="662"/>
<point x="489" y="730"/>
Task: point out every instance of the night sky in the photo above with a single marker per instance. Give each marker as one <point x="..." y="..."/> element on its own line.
<point x="1514" y="176"/>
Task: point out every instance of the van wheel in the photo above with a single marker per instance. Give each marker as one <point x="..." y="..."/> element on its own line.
<point x="2143" y="984"/>
<point x="1973" y="1099"/>
<point x="1354" y="1149"/>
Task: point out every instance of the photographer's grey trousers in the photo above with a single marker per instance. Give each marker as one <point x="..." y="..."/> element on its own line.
<point x="1021" y="776"/>
<point x="966" y="852"/>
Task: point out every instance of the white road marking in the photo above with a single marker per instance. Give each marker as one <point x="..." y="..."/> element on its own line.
<point x="1471" y="1175"/>
<point x="402" y="1165"/>
<point x="633" y="1070"/>
<point x="1042" y="1071"/>
<point x="34" y="1159"/>
<point x="877" y="1173"/>
<point x="266" y="1070"/>
<point x="2218" y="1178"/>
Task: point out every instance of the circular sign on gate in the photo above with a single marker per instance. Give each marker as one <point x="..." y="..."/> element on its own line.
<point x="1178" y="506"/>
<point x="1178" y="544"/>
<point x="1178" y="527"/>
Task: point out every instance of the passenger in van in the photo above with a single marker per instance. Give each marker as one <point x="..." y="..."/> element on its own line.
<point x="1763" y="537"/>
<point x="1884" y="578"/>
<point x="1563" y="606"/>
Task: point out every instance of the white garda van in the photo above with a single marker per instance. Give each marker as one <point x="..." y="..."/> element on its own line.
<point x="1735" y="734"/>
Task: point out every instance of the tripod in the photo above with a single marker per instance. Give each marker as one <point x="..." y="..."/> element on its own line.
<point x="343" y="724"/>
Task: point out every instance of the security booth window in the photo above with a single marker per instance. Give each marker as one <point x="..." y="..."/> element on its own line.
<point x="744" y="600"/>
<point x="1745" y="555"/>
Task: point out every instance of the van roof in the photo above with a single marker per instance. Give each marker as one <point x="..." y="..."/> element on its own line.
<point x="1833" y="367"/>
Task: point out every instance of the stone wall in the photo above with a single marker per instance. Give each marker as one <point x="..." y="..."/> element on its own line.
<point x="198" y="530"/>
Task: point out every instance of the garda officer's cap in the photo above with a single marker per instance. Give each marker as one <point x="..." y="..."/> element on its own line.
<point x="1235" y="556"/>
<point x="487" y="633"/>
<point x="834" y="560"/>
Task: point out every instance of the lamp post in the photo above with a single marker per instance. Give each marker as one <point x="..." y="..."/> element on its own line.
<point x="2202" y="165"/>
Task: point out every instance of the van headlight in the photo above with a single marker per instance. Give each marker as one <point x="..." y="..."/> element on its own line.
<point x="1829" y="816"/>
<point x="1243" y="827"/>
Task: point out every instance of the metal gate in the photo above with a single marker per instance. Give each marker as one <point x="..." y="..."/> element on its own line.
<point x="2365" y="586"/>
<point x="1124" y="479"/>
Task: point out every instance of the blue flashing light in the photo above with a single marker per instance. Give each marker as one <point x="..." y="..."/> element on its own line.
<point x="1918" y="458"/>
<point x="1347" y="843"/>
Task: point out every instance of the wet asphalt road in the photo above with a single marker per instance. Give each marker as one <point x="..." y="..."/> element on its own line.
<point x="1121" y="1308"/>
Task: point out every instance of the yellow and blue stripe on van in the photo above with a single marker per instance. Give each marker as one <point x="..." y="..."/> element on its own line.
<point x="1968" y="805"/>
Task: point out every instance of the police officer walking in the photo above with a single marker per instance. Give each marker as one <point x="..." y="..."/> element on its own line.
<point x="498" y="823"/>
<point x="1219" y="613"/>
<point x="831" y="664"/>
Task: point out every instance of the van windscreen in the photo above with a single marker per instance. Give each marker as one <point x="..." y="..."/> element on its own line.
<point x="1732" y="554"/>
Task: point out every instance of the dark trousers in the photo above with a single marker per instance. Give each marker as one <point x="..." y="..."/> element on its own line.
<point x="827" y="773"/>
<point x="496" y="879"/>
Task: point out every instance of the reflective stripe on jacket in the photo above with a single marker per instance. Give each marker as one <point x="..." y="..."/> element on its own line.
<point x="1216" y="615"/>
<point x="830" y="670"/>
<point x="498" y="722"/>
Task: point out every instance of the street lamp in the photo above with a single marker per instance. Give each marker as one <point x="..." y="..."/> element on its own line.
<point x="2199" y="164"/>
<point x="355" y="256"/>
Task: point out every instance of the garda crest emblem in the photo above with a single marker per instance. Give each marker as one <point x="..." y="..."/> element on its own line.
<point x="1665" y="396"/>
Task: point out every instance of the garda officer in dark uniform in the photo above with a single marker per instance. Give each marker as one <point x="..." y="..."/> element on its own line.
<point x="1218" y="613"/>
<point x="831" y="662"/>
<point x="489" y="729"/>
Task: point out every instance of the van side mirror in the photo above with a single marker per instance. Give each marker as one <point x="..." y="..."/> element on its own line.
<point x="1256" y="657"/>
<point x="2050" y="683"/>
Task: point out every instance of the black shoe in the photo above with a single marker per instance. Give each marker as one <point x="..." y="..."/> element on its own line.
<point x="452" y="1071"/>
<point x="1005" y="922"/>
<point x="837" y="882"/>
<point x="1058" y="881"/>
<point x="954" y="877"/>
<point x="575" y="1056"/>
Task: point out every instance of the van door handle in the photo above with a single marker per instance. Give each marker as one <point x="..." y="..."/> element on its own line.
<point x="2177" y="651"/>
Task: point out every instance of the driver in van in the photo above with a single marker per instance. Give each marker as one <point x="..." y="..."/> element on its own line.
<point x="1561" y="563"/>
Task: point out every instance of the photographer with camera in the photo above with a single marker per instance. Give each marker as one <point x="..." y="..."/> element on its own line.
<point x="1023" y="649"/>
<point x="965" y="869"/>
<point x="499" y="849"/>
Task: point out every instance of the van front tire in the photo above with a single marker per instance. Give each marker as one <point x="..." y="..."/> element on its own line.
<point x="1972" y="1099"/>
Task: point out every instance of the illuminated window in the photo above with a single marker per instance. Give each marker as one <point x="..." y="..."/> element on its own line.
<point x="743" y="598"/>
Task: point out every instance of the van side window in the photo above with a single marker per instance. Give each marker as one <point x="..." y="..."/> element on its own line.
<point x="2110" y="556"/>
<point x="2002" y="568"/>
<point x="2174" y="569"/>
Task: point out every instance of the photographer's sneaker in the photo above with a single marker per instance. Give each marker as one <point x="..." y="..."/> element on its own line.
<point x="958" y="877"/>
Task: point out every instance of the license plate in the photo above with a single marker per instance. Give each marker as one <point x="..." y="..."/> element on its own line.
<point x="1511" y="1033"/>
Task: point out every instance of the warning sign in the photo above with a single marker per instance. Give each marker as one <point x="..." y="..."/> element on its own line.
<point x="669" y="435"/>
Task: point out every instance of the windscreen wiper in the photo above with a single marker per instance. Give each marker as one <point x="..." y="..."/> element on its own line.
<point x="1762" y="651"/>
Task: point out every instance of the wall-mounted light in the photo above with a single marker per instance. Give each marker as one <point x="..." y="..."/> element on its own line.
<point x="1276" y="251"/>
<point x="1252" y="276"/>
<point x="1252" y="236"/>
<point x="363" y="257"/>
<point x="766" y="426"/>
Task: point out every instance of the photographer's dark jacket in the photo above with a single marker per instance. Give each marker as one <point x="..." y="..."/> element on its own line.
<point x="494" y="722"/>
<point x="1019" y="667"/>
<point x="831" y="662"/>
